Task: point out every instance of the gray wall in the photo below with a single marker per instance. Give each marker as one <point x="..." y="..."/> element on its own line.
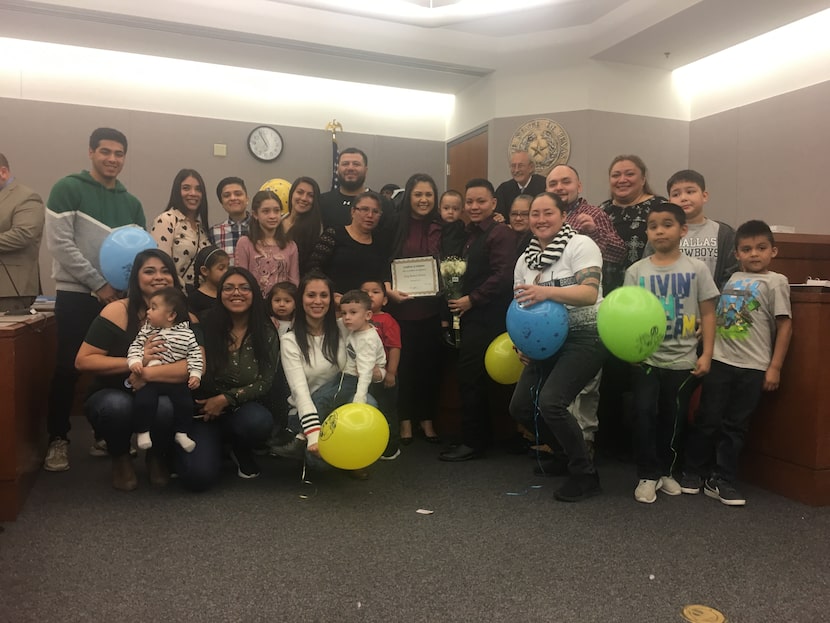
<point x="596" y="137"/>
<point x="46" y="141"/>
<point x="768" y="160"/>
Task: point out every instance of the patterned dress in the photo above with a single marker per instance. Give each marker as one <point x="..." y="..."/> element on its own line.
<point x="177" y="237"/>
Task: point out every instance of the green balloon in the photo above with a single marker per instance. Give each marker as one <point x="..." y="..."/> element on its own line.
<point x="632" y="323"/>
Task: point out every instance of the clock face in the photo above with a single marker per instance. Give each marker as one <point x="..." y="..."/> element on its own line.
<point x="265" y="143"/>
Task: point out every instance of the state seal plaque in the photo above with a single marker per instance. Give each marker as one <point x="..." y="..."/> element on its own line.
<point x="545" y="140"/>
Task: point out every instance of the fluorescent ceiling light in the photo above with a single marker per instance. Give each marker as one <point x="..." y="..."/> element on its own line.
<point x="782" y="49"/>
<point x="424" y="12"/>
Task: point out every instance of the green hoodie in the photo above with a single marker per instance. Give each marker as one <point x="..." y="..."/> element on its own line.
<point x="80" y="214"/>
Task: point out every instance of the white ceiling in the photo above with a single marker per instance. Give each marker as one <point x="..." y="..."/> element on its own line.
<point x="428" y="49"/>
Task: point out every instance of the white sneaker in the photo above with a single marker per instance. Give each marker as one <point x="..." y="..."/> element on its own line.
<point x="670" y="486"/>
<point x="57" y="456"/>
<point x="99" y="448"/>
<point x="646" y="491"/>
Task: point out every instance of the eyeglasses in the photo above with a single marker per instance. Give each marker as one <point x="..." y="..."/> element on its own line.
<point x="519" y="214"/>
<point x="368" y="210"/>
<point x="243" y="289"/>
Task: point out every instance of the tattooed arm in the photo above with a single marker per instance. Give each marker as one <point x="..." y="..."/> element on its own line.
<point x="584" y="292"/>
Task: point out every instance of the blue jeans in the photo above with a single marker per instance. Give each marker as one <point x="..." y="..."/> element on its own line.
<point x="246" y="427"/>
<point x="548" y="387"/>
<point x="729" y="397"/>
<point x="661" y="406"/>
<point x="336" y="393"/>
<point x="110" y="411"/>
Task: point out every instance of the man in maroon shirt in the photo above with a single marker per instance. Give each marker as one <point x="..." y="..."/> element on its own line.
<point x="488" y="290"/>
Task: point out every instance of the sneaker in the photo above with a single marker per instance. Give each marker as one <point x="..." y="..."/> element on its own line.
<point x="390" y="454"/>
<point x="294" y="449"/>
<point x="578" y="487"/>
<point x="646" y="491"/>
<point x="57" y="456"/>
<point x="246" y="467"/>
<point x="691" y="484"/>
<point x="670" y="486"/>
<point x="722" y="490"/>
<point x="98" y="448"/>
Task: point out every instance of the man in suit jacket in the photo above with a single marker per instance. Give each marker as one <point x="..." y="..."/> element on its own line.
<point x="21" y="228"/>
<point x="525" y="181"/>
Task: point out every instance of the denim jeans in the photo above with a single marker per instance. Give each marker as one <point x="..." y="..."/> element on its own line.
<point x="729" y="397"/>
<point x="335" y="393"/>
<point x="661" y="405"/>
<point x="146" y="402"/>
<point x="547" y="388"/>
<point x="110" y="411"/>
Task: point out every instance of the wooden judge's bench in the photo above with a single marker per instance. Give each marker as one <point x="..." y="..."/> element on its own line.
<point x="27" y="361"/>
<point x="788" y="447"/>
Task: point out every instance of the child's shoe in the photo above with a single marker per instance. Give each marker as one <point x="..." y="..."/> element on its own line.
<point x="722" y="490"/>
<point x="670" y="486"/>
<point x="143" y="440"/>
<point x="691" y="484"/>
<point x="185" y="442"/>
<point x="646" y="491"/>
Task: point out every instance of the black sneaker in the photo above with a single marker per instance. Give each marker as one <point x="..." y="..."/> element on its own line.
<point x="722" y="490"/>
<point x="690" y="483"/>
<point x="578" y="487"/>
<point x="245" y="464"/>
<point x="391" y="453"/>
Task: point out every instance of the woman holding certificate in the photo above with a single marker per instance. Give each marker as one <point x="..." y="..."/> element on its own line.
<point x="418" y="236"/>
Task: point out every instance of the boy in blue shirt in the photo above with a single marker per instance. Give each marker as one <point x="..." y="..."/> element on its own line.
<point x="664" y="382"/>
<point x="754" y="326"/>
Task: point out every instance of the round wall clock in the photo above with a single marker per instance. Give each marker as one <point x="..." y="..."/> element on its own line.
<point x="265" y="143"/>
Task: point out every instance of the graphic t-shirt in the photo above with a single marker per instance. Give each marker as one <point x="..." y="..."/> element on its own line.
<point x="680" y="287"/>
<point x="746" y="313"/>
<point x="701" y="243"/>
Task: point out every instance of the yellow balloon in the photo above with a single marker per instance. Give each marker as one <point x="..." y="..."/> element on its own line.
<point x="353" y="436"/>
<point x="502" y="362"/>
<point x="280" y="188"/>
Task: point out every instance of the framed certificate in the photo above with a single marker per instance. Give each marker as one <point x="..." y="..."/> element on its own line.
<point x="416" y="276"/>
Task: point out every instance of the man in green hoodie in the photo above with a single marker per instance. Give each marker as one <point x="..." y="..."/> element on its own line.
<point x="81" y="212"/>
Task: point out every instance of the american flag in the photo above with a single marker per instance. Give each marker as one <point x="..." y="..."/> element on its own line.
<point x="335" y="154"/>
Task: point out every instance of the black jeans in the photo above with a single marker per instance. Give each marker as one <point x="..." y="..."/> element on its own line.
<point x="147" y="402"/>
<point x="729" y="397"/>
<point x="420" y="370"/>
<point x="478" y="330"/>
<point x="547" y="388"/>
<point x="74" y="312"/>
<point x="661" y="405"/>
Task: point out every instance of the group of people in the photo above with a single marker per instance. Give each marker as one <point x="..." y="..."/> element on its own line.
<point x="250" y="332"/>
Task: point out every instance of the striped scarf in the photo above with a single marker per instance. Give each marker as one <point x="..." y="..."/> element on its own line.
<point x="537" y="258"/>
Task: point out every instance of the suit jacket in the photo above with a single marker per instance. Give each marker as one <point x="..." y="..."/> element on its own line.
<point x="21" y="227"/>
<point x="509" y="190"/>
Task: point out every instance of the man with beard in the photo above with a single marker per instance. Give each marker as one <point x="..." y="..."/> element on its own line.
<point x="336" y="205"/>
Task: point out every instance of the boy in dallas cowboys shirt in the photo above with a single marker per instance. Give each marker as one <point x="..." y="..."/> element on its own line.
<point x="167" y="316"/>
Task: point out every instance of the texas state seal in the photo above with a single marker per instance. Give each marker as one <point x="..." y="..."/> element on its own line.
<point x="545" y="140"/>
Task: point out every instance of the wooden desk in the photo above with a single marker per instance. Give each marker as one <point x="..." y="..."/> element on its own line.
<point x="27" y="361"/>
<point x="788" y="446"/>
<point x="801" y="256"/>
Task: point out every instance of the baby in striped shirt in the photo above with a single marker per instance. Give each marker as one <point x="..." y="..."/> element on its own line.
<point x="166" y="318"/>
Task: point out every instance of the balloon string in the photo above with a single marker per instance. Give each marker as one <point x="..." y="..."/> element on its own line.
<point x="677" y="419"/>
<point x="534" y="398"/>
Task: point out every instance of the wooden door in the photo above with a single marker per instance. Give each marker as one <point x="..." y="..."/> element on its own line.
<point x="466" y="159"/>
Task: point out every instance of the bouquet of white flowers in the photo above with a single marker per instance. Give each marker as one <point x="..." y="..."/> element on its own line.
<point x="452" y="275"/>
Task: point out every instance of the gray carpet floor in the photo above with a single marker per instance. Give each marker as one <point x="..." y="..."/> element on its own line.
<point x="497" y="547"/>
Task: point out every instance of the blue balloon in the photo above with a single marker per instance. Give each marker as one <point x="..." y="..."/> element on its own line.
<point x="118" y="253"/>
<point x="538" y="330"/>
